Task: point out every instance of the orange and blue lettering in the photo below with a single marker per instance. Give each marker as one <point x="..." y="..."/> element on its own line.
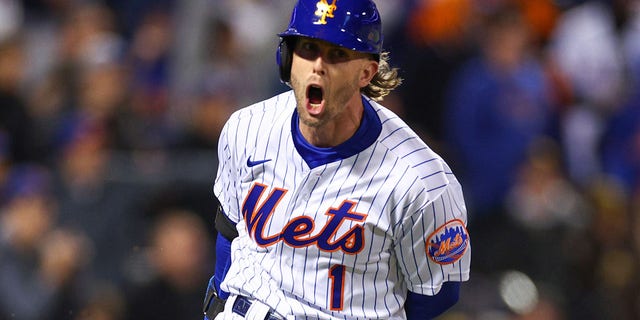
<point x="298" y="232"/>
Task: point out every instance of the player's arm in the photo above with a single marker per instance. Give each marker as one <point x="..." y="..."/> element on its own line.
<point x="226" y="233"/>
<point x="420" y="306"/>
<point x="216" y="297"/>
<point x="435" y="247"/>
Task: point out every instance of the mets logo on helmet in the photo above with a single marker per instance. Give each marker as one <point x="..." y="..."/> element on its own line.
<point x="324" y="11"/>
<point x="449" y="243"/>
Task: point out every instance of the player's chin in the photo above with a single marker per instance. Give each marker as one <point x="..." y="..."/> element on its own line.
<point x="310" y="120"/>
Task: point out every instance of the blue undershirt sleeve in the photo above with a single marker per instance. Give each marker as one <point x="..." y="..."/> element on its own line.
<point x="423" y="307"/>
<point x="223" y="261"/>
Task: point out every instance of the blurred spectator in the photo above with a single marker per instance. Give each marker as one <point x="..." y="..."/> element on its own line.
<point x="604" y="281"/>
<point x="129" y="13"/>
<point x="188" y="54"/>
<point x="621" y="145"/>
<point x="89" y="201"/>
<point x="40" y="273"/>
<point x="546" y="210"/>
<point x="88" y="34"/>
<point x="585" y="48"/>
<point x="207" y="119"/>
<point x="434" y="42"/>
<point x="15" y="121"/>
<point x="498" y="105"/>
<point x="105" y="303"/>
<point x="225" y="69"/>
<point x="221" y="89"/>
<point x="179" y="255"/>
<point x="103" y="101"/>
<point x="258" y="44"/>
<point x="440" y="37"/>
<point x="86" y="48"/>
<point x="148" y="63"/>
<point x="542" y="197"/>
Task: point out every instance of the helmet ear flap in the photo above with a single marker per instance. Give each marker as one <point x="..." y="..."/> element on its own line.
<point x="283" y="58"/>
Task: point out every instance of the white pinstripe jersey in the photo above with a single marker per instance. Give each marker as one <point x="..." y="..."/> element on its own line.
<point x="344" y="238"/>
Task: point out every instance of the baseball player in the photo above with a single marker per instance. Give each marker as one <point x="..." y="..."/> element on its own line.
<point x="331" y="206"/>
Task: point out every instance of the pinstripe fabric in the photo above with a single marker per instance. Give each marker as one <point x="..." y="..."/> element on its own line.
<point x="291" y="253"/>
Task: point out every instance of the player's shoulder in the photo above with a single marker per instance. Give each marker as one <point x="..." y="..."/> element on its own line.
<point x="412" y="151"/>
<point x="399" y="137"/>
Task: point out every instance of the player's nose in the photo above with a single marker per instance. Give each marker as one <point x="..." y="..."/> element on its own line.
<point x="319" y="64"/>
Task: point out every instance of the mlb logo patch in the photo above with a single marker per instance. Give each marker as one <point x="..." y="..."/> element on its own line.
<point x="449" y="243"/>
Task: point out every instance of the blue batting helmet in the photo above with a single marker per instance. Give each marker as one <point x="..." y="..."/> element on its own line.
<point x="353" y="24"/>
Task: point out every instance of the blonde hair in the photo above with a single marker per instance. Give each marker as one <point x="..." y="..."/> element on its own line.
<point x="384" y="81"/>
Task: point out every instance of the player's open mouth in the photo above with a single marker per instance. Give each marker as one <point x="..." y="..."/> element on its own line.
<point x="315" y="96"/>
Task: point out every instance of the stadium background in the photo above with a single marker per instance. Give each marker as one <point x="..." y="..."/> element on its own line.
<point x="110" y="112"/>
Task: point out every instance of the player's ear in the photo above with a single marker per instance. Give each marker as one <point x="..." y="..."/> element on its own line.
<point x="369" y="70"/>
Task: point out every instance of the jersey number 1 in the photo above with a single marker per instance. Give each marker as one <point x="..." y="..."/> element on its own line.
<point x="336" y="273"/>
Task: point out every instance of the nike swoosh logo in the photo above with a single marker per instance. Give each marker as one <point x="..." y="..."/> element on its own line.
<point x="255" y="163"/>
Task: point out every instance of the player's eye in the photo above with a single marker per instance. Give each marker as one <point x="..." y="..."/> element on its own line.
<point x="337" y="55"/>
<point x="307" y="50"/>
<point x="311" y="50"/>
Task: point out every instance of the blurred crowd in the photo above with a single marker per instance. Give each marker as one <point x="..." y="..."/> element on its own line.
<point x="110" y="113"/>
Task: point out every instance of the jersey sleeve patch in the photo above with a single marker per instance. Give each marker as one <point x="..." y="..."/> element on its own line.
<point x="448" y="243"/>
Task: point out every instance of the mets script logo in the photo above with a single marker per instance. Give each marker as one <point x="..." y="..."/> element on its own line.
<point x="257" y="212"/>
<point x="324" y="11"/>
<point x="447" y="244"/>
